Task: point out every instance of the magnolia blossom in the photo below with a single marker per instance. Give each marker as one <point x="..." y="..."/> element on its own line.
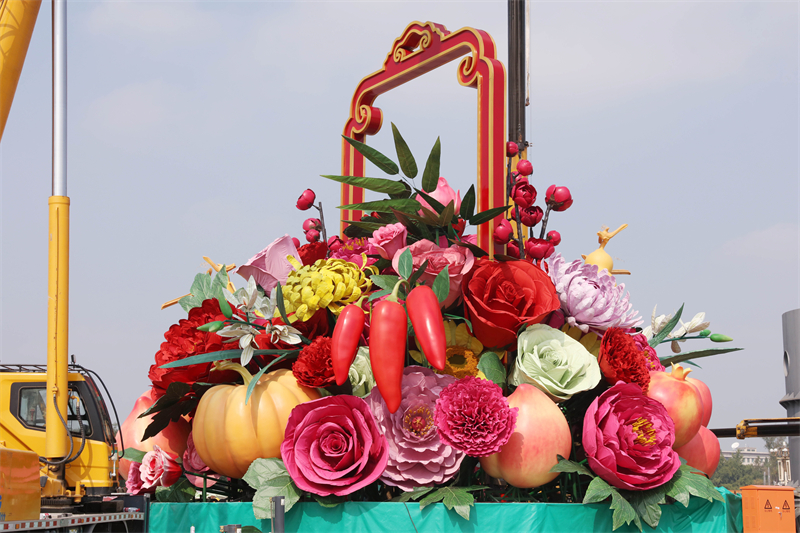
<point x="658" y="323"/>
<point x="159" y="469"/>
<point x="269" y="266"/>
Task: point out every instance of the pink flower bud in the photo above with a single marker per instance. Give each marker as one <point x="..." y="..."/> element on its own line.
<point x="503" y="232"/>
<point x="306" y="200"/>
<point x="312" y="235"/>
<point x="512" y="249"/>
<point x="296" y="242"/>
<point x="311" y="223"/>
<point x="554" y="237"/>
<point x="530" y="216"/>
<point x="558" y="198"/>
<point x="524" y="167"/>
<point x="539" y="248"/>
<point x="334" y="243"/>
<point x="520" y="179"/>
<point x="523" y="194"/>
<point x="511" y="149"/>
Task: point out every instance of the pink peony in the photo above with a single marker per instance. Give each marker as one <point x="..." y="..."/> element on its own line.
<point x="628" y="439"/>
<point x="269" y="266"/>
<point x="457" y="259"/>
<point x="650" y="355"/>
<point x="134" y="484"/>
<point x="444" y="194"/>
<point x="159" y="469"/>
<point x="351" y="250"/>
<point x="388" y="239"/>
<point x="333" y="446"/>
<point x="473" y="416"/>
<point x="193" y="463"/>
<point x="417" y="457"/>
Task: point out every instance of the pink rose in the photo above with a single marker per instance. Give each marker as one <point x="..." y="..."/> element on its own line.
<point x="193" y="463"/>
<point x="269" y="266"/>
<point x="457" y="259"/>
<point x="444" y="194"/>
<point x="653" y="362"/>
<point x="159" y="469"/>
<point x="388" y="239"/>
<point x="333" y="446"/>
<point x="628" y="439"/>
<point x="134" y="484"/>
<point x="351" y="250"/>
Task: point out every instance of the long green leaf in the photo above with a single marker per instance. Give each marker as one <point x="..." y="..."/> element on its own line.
<point x="406" y="205"/>
<point x="447" y="214"/>
<point x="441" y="285"/>
<point x="486" y="216"/>
<point x="468" y="204"/>
<point x="253" y="382"/>
<point x="373" y="184"/>
<point x="281" y="304"/>
<point x="374" y="156"/>
<point x="407" y="222"/>
<point x="437" y="206"/>
<point x="667" y="329"/>
<point x="476" y="250"/>
<point x="417" y="273"/>
<point x="696" y="354"/>
<point x="368" y="226"/>
<point x="407" y="163"/>
<point x="430" y="176"/>
<point x="384" y="281"/>
<point x="220" y="356"/>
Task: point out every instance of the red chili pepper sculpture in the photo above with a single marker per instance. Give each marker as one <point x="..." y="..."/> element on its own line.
<point x="426" y="317"/>
<point x="387" y="349"/>
<point x="344" y="344"/>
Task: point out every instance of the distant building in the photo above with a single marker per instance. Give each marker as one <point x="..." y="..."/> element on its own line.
<point x="750" y="456"/>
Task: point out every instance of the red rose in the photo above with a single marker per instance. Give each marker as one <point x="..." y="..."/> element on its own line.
<point x="314" y="367"/>
<point x="309" y="253"/>
<point x="501" y="296"/>
<point x="184" y="340"/>
<point x="621" y="360"/>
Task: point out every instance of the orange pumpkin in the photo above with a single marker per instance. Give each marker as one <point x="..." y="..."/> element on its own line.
<point x="230" y="435"/>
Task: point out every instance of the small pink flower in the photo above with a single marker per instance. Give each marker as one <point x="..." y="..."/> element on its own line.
<point x="524" y="167"/>
<point x="558" y="198"/>
<point x="458" y="260"/>
<point x="311" y="223"/>
<point x="269" y="266"/>
<point x="312" y="235"/>
<point x="134" y="484"/>
<point x="523" y="194"/>
<point x="539" y="248"/>
<point x="193" y="463"/>
<point x="159" y="469"/>
<point x="444" y="194"/>
<point x="511" y="149"/>
<point x="306" y="200"/>
<point x="388" y="239"/>
<point x="503" y="232"/>
<point x="351" y="249"/>
<point x="650" y="355"/>
<point x="554" y="237"/>
<point x="532" y="215"/>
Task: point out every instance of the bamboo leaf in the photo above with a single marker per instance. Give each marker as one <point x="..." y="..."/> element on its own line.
<point x="279" y="302"/>
<point x="417" y="273"/>
<point x="468" y="204"/>
<point x="447" y="214"/>
<point x="220" y="356"/>
<point x="430" y="176"/>
<point x="667" y="329"/>
<point x="476" y="250"/>
<point x="486" y="216"/>
<point x="373" y="184"/>
<point x="405" y="205"/>
<point x="696" y="354"/>
<point x="407" y="163"/>
<point x="437" y="206"/>
<point x="374" y="156"/>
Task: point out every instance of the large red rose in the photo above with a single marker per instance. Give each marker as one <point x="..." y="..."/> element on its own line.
<point x="184" y="340"/>
<point x="501" y="296"/>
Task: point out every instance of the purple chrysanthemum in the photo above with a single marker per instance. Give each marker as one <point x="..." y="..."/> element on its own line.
<point x="473" y="416"/>
<point x="591" y="300"/>
<point x="417" y="457"/>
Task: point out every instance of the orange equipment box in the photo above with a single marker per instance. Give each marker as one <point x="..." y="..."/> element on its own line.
<point x="768" y="509"/>
<point x="19" y="485"/>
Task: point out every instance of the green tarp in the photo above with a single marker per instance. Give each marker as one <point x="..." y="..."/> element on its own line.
<point x="361" y="517"/>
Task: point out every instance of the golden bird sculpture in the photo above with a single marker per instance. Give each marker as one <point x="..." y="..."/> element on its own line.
<point x="600" y="257"/>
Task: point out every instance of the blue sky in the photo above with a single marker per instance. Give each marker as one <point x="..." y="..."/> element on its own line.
<point x="194" y="126"/>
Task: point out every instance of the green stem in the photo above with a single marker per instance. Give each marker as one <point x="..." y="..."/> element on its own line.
<point x="682" y="339"/>
<point x="393" y="297"/>
<point x="236" y="367"/>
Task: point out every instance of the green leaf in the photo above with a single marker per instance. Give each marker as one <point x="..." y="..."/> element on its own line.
<point x="468" y="204"/>
<point x="696" y="354"/>
<point x="373" y="184"/>
<point x="405" y="264"/>
<point x="181" y="491"/>
<point x="175" y="391"/>
<point x="134" y="455"/>
<point x="667" y="329"/>
<point x="646" y="504"/>
<point x="270" y="478"/>
<point x="486" y="216"/>
<point x="430" y="176"/>
<point x="407" y="222"/>
<point x="199" y="292"/>
<point x="437" y="206"/>
<point x="476" y="250"/>
<point x="623" y="512"/>
<point x="405" y="205"/>
<point x="384" y="281"/>
<point x="225" y="307"/>
<point x="250" y="529"/>
<point x="212" y="326"/>
<point x="220" y="283"/>
<point x="597" y="491"/>
<point x="253" y="382"/>
<point x="441" y="285"/>
<point x="407" y="163"/>
<point x="494" y="369"/>
<point x="447" y="214"/>
<point x="370" y="227"/>
<point x="456" y="317"/>
<point x="686" y="480"/>
<point x="565" y="465"/>
<point x="281" y="304"/>
<point x="220" y="356"/>
<point x="454" y="498"/>
<point x="374" y="156"/>
<point x="415" y="494"/>
<point x="417" y="273"/>
<point x="330" y="501"/>
<point x="378" y="294"/>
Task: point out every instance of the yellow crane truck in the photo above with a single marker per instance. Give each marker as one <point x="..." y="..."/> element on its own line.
<point x="58" y="454"/>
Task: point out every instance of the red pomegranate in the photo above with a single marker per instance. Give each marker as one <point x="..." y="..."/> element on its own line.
<point x="172" y="439"/>
<point x="540" y="435"/>
<point x="705" y="394"/>
<point x="702" y="452"/>
<point x="682" y="400"/>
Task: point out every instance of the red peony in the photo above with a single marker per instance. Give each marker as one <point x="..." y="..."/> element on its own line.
<point x="314" y="367"/>
<point x="621" y="360"/>
<point x="184" y="340"/>
<point x="311" y="252"/>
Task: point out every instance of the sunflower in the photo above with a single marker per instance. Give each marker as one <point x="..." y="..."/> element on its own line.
<point x="463" y="352"/>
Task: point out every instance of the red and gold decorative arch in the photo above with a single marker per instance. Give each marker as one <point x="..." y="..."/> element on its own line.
<point x="420" y="49"/>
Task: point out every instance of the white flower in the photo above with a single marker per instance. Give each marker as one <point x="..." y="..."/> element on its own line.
<point x="657" y="323"/>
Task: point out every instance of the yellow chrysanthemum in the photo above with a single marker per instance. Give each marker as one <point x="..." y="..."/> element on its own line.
<point x="328" y="283"/>
<point x="463" y="351"/>
<point x="589" y="340"/>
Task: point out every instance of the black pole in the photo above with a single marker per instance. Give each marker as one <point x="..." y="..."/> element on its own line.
<point x="516" y="72"/>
